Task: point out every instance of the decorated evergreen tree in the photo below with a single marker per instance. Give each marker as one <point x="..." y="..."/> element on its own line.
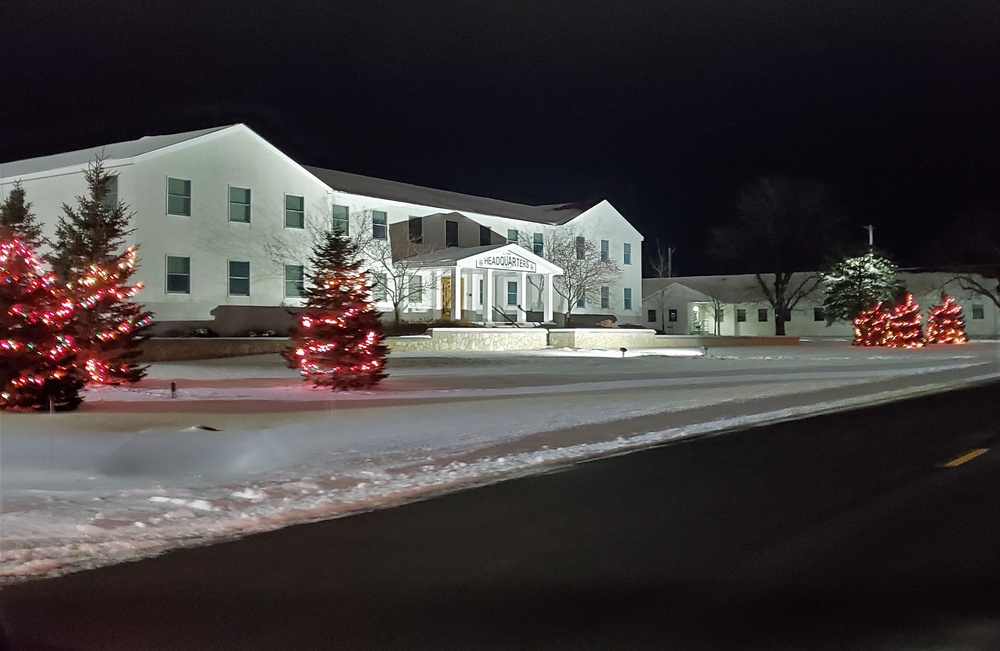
<point x="37" y="369"/>
<point x="17" y="220"/>
<point x="337" y="341"/>
<point x="905" y="330"/>
<point x="945" y="324"/>
<point x="871" y="326"/>
<point x="91" y="259"/>
<point x="855" y="284"/>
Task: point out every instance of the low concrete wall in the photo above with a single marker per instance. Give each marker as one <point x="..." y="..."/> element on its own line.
<point x="176" y="349"/>
<point x="611" y="338"/>
<point x="472" y="339"/>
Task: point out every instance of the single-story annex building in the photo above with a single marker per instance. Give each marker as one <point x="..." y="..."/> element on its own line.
<point x="225" y="221"/>
<point x="735" y="305"/>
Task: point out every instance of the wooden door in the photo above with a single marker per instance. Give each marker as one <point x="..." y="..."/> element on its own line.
<point x="446" y="298"/>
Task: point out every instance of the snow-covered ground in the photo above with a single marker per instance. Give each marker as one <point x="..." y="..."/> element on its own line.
<point x="246" y="446"/>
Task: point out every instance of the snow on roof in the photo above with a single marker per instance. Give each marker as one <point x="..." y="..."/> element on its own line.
<point x="555" y="214"/>
<point x="728" y="289"/>
<point x="109" y="152"/>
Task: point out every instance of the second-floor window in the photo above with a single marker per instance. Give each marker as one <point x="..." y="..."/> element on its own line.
<point x="605" y="250"/>
<point x="380" y="225"/>
<point x="416" y="230"/>
<point x="178" y="197"/>
<point x="485" y="236"/>
<point x="295" y="211"/>
<point x="450" y="233"/>
<point x="341" y="219"/>
<point x="581" y="248"/>
<point x="239" y="205"/>
<point x="626" y="253"/>
<point x="110" y="200"/>
<point x="511" y="236"/>
<point x="537" y="245"/>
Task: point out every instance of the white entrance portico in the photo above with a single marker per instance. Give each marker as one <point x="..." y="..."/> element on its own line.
<point x="490" y="284"/>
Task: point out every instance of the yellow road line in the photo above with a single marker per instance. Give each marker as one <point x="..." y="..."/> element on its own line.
<point x="968" y="456"/>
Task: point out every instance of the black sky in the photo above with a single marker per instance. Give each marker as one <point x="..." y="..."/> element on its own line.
<point x="665" y="108"/>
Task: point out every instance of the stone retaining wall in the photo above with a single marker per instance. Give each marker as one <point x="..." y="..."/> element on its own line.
<point x="472" y="339"/>
<point x="610" y="338"/>
<point x="176" y="349"/>
<point x="698" y="341"/>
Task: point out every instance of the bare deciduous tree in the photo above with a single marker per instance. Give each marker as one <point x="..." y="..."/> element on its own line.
<point x="782" y="226"/>
<point x="660" y="260"/>
<point x="971" y="249"/>
<point x="584" y="270"/>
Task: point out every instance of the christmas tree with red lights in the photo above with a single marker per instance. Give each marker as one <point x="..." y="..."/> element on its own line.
<point x="91" y="259"/>
<point x="38" y="354"/>
<point x="945" y="324"/>
<point x="337" y="341"/>
<point x="871" y="327"/>
<point x="905" y="330"/>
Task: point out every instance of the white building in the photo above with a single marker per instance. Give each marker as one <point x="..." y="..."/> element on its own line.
<point x="225" y="222"/>
<point x="735" y="305"/>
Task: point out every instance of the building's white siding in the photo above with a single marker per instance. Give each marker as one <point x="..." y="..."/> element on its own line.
<point x="237" y="157"/>
<point x="735" y="296"/>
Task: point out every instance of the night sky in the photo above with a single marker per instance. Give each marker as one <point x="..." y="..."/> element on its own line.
<point x="665" y="108"/>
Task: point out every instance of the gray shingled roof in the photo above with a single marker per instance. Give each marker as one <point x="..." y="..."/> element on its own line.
<point x="450" y="255"/>
<point x="395" y="191"/>
<point x="110" y="153"/>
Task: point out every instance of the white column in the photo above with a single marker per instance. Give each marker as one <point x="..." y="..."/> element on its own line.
<point x="456" y="294"/>
<point x="488" y="298"/>
<point x="549" y="278"/>
<point x="522" y="298"/>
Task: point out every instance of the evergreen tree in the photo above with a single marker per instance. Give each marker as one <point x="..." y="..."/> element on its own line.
<point x="91" y="259"/>
<point x="855" y="284"/>
<point x="871" y="326"/>
<point x="17" y="220"/>
<point x="36" y="353"/>
<point x="905" y="330"/>
<point x="337" y="341"/>
<point x="945" y="324"/>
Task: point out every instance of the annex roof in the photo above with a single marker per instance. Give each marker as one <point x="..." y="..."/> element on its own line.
<point x="554" y="214"/>
<point x="110" y="153"/>
<point x="742" y="288"/>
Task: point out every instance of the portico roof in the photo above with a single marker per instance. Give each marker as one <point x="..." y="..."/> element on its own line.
<point x="500" y="257"/>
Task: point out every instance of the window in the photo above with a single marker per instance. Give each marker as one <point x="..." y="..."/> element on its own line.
<point x="537" y="245"/>
<point x="581" y="248"/>
<point x="239" y="205"/>
<point x="581" y="302"/>
<point x="178" y="197"/>
<point x="605" y="250"/>
<point x="977" y="311"/>
<point x="762" y="314"/>
<point x="485" y="236"/>
<point x="341" y="219"/>
<point x="818" y="314"/>
<point x="239" y="278"/>
<point x="380" y="286"/>
<point x="110" y="200"/>
<point x="626" y="253"/>
<point x="628" y="298"/>
<point x="511" y="292"/>
<point x="178" y="275"/>
<point x="417" y="230"/>
<point x="651" y="316"/>
<point x="741" y="315"/>
<point x="605" y="297"/>
<point x="511" y="236"/>
<point x="415" y="289"/>
<point x="450" y="233"/>
<point x="482" y="290"/>
<point x="294" y="277"/>
<point x="720" y="314"/>
<point x="295" y="211"/>
<point x="672" y="315"/>
<point x="380" y="225"/>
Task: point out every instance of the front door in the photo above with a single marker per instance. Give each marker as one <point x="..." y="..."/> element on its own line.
<point x="446" y="298"/>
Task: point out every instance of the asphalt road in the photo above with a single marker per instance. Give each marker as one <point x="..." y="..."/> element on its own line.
<point x="837" y="532"/>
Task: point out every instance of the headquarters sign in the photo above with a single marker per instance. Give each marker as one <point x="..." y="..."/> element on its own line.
<point x="506" y="261"/>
